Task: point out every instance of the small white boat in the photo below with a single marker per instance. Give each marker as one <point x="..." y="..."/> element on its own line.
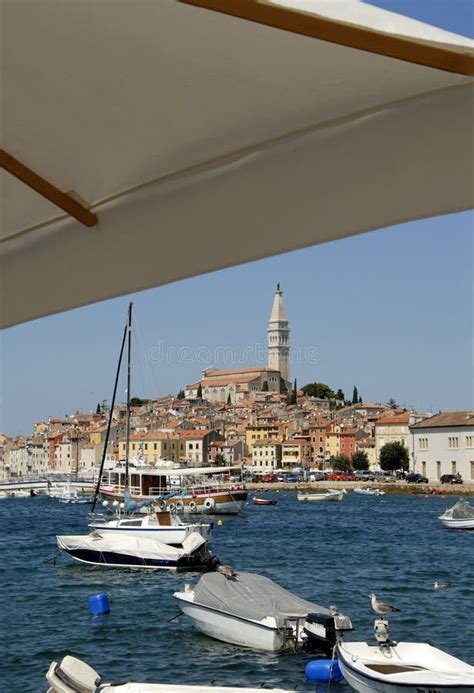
<point x="369" y="491"/>
<point x="460" y="516"/>
<point x="72" y="675"/>
<point x="404" y="667"/>
<point x="252" y="611"/>
<point x="167" y="527"/>
<point x="120" y="551"/>
<point x="329" y="495"/>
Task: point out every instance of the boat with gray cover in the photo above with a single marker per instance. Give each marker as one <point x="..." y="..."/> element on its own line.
<point x="253" y="611"/>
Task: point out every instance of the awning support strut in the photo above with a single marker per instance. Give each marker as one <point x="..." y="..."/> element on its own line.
<point x="46" y="189"/>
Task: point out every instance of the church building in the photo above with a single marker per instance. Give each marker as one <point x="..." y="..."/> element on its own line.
<point x="233" y="385"/>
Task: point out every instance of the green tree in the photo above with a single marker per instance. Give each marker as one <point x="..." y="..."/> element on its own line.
<point x="180" y="395"/>
<point x="220" y="460"/>
<point x="360" y="460"/>
<point x="360" y="399"/>
<point x="355" y="395"/>
<point x="392" y="403"/>
<point x="318" y="390"/>
<point x="199" y="392"/>
<point x="138" y="402"/>
<point x="394" y="456"/>
<point x="97" y="411"/>
<point x="229" y="401"/>
<point x="265" y="386"/>
<point x="340" y="395"/>
<point x="342" y="464"/>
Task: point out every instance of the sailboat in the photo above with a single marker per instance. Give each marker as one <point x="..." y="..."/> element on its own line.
<point x="131" y="538"/>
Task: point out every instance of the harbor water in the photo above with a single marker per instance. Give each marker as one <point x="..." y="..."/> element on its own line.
<point x="330" y="553"/>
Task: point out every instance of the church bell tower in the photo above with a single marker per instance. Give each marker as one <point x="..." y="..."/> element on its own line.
<point x="279" y="337"/>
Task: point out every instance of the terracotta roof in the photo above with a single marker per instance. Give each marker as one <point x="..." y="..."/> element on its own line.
<point x="447" y="418"/>
<point x="195" y="433"/>
<point x="241" y="370"/>
<point x="394" y="420"/>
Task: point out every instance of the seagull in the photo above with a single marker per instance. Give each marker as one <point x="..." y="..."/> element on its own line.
<point x="441" y="585"/>
<point x="380" y="607"/>
<point x="227" y="571"/>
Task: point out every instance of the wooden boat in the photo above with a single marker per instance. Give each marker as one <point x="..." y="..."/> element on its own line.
<point x="264" y="501"/>
<point x="72" y="675"/>
<point x="329" y="495"/>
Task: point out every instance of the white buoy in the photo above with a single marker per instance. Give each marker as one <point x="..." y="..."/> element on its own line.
<point x="115" y="504"/>
<point x="105" y="503"/>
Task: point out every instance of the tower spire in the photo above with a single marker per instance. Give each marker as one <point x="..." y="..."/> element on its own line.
<point x="278" y="337"/>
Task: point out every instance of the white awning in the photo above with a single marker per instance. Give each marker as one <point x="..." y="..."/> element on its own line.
<point x="202" y="140"/>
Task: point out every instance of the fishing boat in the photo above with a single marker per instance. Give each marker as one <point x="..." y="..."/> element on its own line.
<point x="369" y="491"/>
<point x="329" y="495"/>
<point x="460" y="516"/>
<point x="72" y="675"/>
<point x="120" y="551"/>
<point x="403" y="667"/>
<point x="263" y="501"/>
<point x="253" y="611"/>
<point x="163" y="525"/>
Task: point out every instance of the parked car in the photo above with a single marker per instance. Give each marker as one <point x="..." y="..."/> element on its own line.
<point x="451" y="479"/>
<point x="292" y="478"/>
<point x="341" y="476"/>
<point x="269" y="478"/>
<point x="416" y="479"/>
<point x="318" y="476"/>
<point x="364" y="475"/>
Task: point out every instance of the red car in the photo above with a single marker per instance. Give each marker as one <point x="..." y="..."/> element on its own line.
<point x="341" y="476"/>
<point x="269" y="478"/>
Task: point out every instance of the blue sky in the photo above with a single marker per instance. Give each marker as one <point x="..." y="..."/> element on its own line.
<point x="390" y="311"/>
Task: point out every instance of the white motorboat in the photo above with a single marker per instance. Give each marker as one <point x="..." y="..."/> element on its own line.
<point x="252" y="611"/>
<point x="137" y="552"/>
<point x="404" y="667"/>
<point x="167" y="527"/>
<point x="329" y="495"/>
<point x="369" y="491"/>
<point x="72" y="675"/>
<point x="460" y="516"/>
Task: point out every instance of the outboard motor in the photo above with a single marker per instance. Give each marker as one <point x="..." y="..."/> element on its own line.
<point x="72" y="676"/>
<point x="323" y="631"/>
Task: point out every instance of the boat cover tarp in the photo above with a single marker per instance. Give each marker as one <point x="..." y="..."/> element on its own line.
<point x="251" y="596"/>
<point x="462" y="510"/>
<point x="142" y="547"/>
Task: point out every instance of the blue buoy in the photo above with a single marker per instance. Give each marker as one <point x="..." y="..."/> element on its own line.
<point x="99" y="604"/>
<point x="323" y="671"/>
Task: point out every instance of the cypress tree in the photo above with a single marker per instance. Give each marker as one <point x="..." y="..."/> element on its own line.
<point x="355" y="395"/>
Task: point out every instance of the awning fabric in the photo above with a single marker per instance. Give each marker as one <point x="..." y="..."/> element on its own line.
<point x="202" y="140"/>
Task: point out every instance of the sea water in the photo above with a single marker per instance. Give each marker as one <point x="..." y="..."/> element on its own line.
<point x="329" y="553"/>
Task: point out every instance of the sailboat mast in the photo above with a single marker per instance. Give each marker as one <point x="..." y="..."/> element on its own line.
<point x="109" y="423"/>
<point x="127" y="441"/>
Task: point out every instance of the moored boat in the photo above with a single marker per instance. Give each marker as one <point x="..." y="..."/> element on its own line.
<point x="264" y="501"/>
<point x="167" y="527"/>
<point x="252" y="611"/>
<point x="72" y="675"/>
<point x="460" y="516"/>
<point x="369" y="491"/>
<point x="137" y="552"/>
<point x="191" y="490"/>
<point x="329" y="495"/>
<point x="404" y="667"/>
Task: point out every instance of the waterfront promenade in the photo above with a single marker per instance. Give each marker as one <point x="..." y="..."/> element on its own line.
<point x="465" y="489"/>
